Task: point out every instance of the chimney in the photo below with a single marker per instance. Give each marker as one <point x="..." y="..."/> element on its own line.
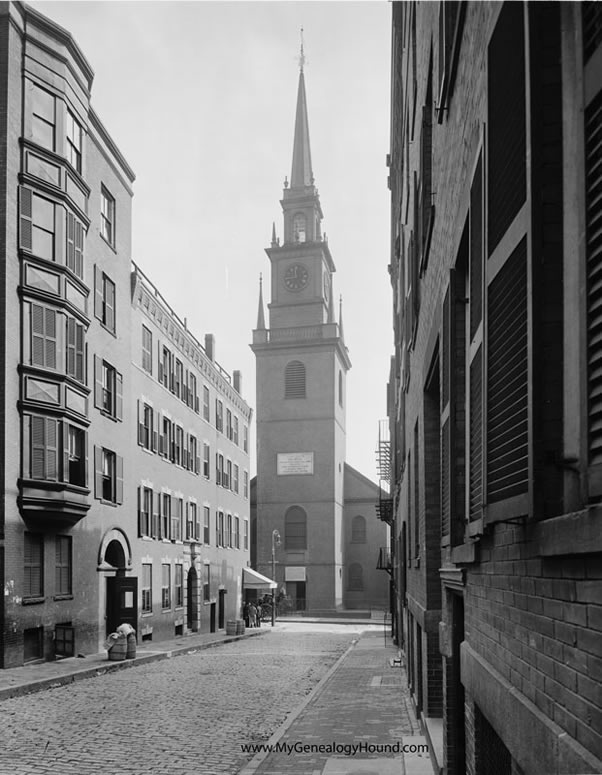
<point x="237" y="377"/>
<point x="210" y="346"/>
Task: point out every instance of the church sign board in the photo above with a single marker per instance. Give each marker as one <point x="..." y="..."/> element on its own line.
<point x="295" y="463"/>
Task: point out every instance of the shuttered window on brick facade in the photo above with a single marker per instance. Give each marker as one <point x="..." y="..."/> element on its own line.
<point x="507" y="178"/>
<point x="43" y="447"/>
<point x="591" y="16"/>
<point x="593" y="183"/>
<point x="507" y="382"/>
<point x="44" y="342"/>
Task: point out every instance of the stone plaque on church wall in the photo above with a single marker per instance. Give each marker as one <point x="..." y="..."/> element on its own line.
<point x="295" y="463"/>
<point x="295" y="573"/>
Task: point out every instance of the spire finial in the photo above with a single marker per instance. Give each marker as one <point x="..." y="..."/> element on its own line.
<point x="260" y="315"/>
<point x="301" y="54"/>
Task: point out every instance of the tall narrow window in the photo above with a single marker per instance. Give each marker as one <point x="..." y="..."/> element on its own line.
<point x="108" y="475"/>
<point x="206" y="526"/>
<point x="206" y="405"/>
<point x="166" y="516"/>
<point x="246" y="534"/>
<point x="75" y="245"/>
<point x="147" y="350"/>
<point x="236" y="532"/>
<point x="43" y="336"/>
<point x="219" y="415"/>
<point x="33" y="564"/>
<point x="74" y="441"/>
<point x="299" y="228"/>
<point x="358" y="530"/>
<point x="75" y="349"/>
<point x="43" y="121"/>
<point x="74" y="142"/>
<point x="63" y="567"/>
<point x="294" y="380"/>
<point x="43" y="228"/>
<point x="145" y="511"/>
<point x="147" y="588"/>
<point x="104" y="300"/>
<point x="179" y="585"/>
<point x="44" y="448"/>
<point x="165" y="586"/>
<point x="107" y="216"/>
<point x="295" y="529"/>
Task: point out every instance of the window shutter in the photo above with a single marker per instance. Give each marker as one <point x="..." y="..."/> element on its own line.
<point x="110" y="306"/>
<point x="85" y="454"/>
<point x="294" y="380"/>
<point x="593" y="186"/>
<point x="38" y="348"/>
<point x="119" y="479"/>
<point x="25" y="218"/>
<point x="70" y="251"/>
<point x="140" y="519"/>
<point x="79" y="352"/>
<point x="52" y="449"/>
<point x="38" y="447"/>
<point x="159" y="526"/>
<point x="160" y="436"/>
<point x="98" y="386"/>
<point x="98" y="472"/>
<point x="119" y="395"/>
<point x="50" y="338"/>
<point x="79" y="249"/>
<point x="98" y="293"/>
<point x="197" y="465"/>
<point x="159" y="362"/>
<point x="475" y="495"/>
<point x="140" y="423"/>
<point x="71" y="346"/>
<point x="507" y="380"/>
<point x="446" y="340"/>
<point x="65" y="437"/>
<point x="156" y="428"/>
<point x="476" y="250"/>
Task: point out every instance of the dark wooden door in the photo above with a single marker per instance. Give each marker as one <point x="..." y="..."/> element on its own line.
<point x="122" y="602"/>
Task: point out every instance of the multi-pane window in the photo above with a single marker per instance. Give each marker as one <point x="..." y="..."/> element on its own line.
<point x="191" y="526"/>
<point x="219" y="468"/>
<point x="107" y="216"/>
<point x="145" y="511"/>
<point x="165" y="375"/>
<point x="146" y="426"/>
<point x="168" y="445"/>
<point x="228" y="475"/>
<point x="220" y="529"/>
<point x="192" y="462"/>
<point x="33" y="564"/>
<point x="176" y="519"/>
<point x="166" y="516"/>
<point x="147" y="350"/>
<point x="147" y="588"/>
<point x="295" y="529"/>
<point x="245" y="534"/>
<point x="43" y="228"/>
<point x="104" y="302"/>
<point x="75" y="455"/>
<point x="43" y="336"/>
<point x="179" y="585"/>
<point x="206" y="404"/>
<point x="245" y="484"/>
<point x="206" y="525"/>
<point x="179" y="438"/>
<point x="245" y="438"/>
<point x="179" y="379"/>
<point x="108" y="475"/>
<point x="108" y="395"/>
<point x="63" y="566"/>
<point x="193" y="396"/>
<point x="229" y="536"/>
<point x="165" y="586"/>
<point x="229" y="429"/>
<point x="74" y="142"/>
<point x="75" y="349"/>
<point x="206" y="460"/>
<point x="235" y="482"/>
<point x="43" y="120"/>
<point x="235" y="430"/>
<point x="207" y="584"/>
<point x="219" y="415"/>
<point x="237" y="532"/>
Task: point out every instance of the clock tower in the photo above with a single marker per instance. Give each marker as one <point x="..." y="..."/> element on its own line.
<point x="302" y="363"/>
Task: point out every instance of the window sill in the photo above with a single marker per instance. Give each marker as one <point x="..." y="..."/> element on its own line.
<point x="146" y="614"/>
<point x="107" y="329"/>
<point x="109" y="416"/>
<point x="576" y="533"/>
<point x="107" y="243"/>
<point x="33" y="600"/>
<point x="108" y="503"/>
<point x="62" y="597"/>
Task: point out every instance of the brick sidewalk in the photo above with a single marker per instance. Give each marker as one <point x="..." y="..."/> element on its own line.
<point x="363" y="699"/>
<point x="17" y="681"/>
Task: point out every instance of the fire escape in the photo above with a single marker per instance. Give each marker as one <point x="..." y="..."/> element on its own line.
<point x="384" y="507"/>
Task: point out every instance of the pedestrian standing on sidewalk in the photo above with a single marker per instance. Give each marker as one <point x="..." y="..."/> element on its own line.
<point x="251" y="615"/>
<point x="245" y="614"/>
<point x="259" y="613"/>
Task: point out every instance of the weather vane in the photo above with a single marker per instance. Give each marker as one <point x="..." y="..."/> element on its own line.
<point x="301" y="55"/>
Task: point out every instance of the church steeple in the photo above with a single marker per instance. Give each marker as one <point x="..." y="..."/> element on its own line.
<point x="301" y="174"/>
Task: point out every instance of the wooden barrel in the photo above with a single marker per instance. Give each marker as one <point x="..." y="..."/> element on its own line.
<point x="131" y="646"/>
<point x="240" y="626"/>
<point x="231" y="627"/>
<point x="118" y="649"/>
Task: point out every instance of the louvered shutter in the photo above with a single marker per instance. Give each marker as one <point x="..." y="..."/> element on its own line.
<point x="65" y="437"/>
<point x="38" y="339"/>
<point x="156" y="518"/>
<point x="38" y="447"/>
<point x="50" y="338"/>
<point x="70" y="251"/>
<point x="52" y="449"/>
<point x="475" y="497"/>
<point x="98" y="293"/>
<point x="98" y="472"/>
<point x="25" y="218"/>
<point x="118" y="479"/>
<point x="140" y="415"/>
<point x="79" y="249"/>
<point x="507" y="381"/>
<point x="98" y="386"/>
<point x="71" y="346"/>
<point x="85" y="454"/>
<point x="159" y="362"/>
<point x="156" y="430"/>
<point x="140" y="517"/>
<point x="446" y="345"/>
<point x="476" y="250"/>
<point x="294" y="378"/>
<point x="118" y="396"/>
<point x="593" y="184"/>
<point x="79" y="352"/>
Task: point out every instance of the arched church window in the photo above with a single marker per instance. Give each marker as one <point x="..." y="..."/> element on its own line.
<point x="358" y="530"/>
<point x="355" y="578"/>
<point x="341" y="388"/>
<point x="295" y="529"/>
<point x="294" y="380"/>
<point x="299" y="227"/>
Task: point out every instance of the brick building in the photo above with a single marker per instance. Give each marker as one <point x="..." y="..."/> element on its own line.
<point x="495" y="388"/>
<point x="75" y="550"/>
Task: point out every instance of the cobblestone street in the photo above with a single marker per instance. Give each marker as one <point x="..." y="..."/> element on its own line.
<point x="186" y="715"/>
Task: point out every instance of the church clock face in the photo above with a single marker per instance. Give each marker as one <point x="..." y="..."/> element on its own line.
<point x="296" y="278"/>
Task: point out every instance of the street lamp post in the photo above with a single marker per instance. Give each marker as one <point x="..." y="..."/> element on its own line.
<point x="275" y="543"/>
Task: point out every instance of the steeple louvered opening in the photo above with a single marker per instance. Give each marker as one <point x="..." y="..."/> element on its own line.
<point x="294" y="380"/>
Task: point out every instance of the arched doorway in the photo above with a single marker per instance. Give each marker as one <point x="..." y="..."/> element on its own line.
<point x="121" y="591"/>
<point x="192" y="600"/>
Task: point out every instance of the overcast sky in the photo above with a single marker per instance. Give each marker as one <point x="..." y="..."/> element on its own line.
<point x="200" y="98"/>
